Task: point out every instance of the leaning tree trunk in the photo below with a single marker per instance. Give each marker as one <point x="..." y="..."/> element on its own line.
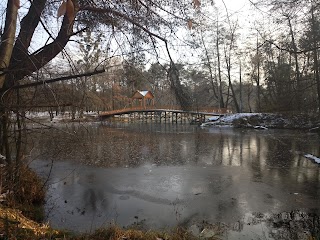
<point x="182" y="96"/>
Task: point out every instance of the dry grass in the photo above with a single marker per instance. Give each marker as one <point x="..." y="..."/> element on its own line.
<point x="117" y="233"/>
<point x="14" y="226"/>
<point x="28" y="187"/>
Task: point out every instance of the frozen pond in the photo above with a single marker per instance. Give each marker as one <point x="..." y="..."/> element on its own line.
<point x="163" y="175"/>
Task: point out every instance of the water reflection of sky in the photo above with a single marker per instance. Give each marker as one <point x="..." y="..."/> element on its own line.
<point x="165" y="175"/>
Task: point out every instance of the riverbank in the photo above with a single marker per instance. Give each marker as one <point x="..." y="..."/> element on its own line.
<point x="266" y="120"/>
<point x="15" y="225"/>
<point x="293" y="225"/>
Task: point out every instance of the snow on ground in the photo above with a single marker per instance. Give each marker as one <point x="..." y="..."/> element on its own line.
<point x="312" y="157"/>
<point x="230" y="118"/>
<point x="37" y="114"/>
<point x="263" y="121"/>
<point x="59" y="117"/>
<point x="227" y="120"/>
<point x="213" y="118"/>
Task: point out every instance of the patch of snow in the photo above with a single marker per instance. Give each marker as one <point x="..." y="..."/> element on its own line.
<point x="230" y="118"/>
<point x="260" y="127"/>
<point x="207" y="124"/>
<point x="213" y="118"/>
<point x="312" y="157"/>
<point x="37" y="114"/>
<point x="315" y="129"/>
<point x="207" y="233"/>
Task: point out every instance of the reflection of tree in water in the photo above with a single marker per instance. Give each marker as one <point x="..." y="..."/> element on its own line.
<point x="281" y="154"/>
<point x="95" y="200"/>
<point x="102" y="145"/>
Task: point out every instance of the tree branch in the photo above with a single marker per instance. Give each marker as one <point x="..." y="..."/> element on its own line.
<point x="28" y="64"/>
<point x="95" y="72"/>
<point x="118" y="14"/>
<point x="289" y="50"/>
<point x="28" y="26"/>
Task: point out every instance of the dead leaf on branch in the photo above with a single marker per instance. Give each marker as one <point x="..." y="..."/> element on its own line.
<point x="17" y="3"/>
<point x="62" y="9"/>
<point x="67" y="7"/>
<point x="196" y="4"/>
<point x="70" y="10"/>
<point x="190" y="24"/>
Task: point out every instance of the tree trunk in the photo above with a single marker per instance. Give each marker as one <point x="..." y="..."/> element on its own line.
<point x="22" y="63"/>
<point x="234" y="98"/>
<point x="209" y="68"/>
<point x="258" y="78"/>
<point x="315" y="55"/>
<point x="219" y="69"/>
<point x="240" y="81"/>
<point x="7" y="39"/>
<point x="297" y="71"/>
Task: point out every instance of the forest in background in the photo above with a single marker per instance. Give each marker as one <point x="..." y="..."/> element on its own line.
<point x="269" y="65"/>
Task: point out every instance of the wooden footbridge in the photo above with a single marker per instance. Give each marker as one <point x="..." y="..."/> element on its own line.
<point x="172" y="114"/>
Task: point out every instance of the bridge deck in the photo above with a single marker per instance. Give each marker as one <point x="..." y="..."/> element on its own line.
<point x="207" y="112"/>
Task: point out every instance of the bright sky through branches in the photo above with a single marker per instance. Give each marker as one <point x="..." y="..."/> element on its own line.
<point x="237" y="10"/>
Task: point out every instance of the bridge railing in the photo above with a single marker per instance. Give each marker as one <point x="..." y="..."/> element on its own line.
<point x="194" y="109"/>
<point x="191" y="109"/>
